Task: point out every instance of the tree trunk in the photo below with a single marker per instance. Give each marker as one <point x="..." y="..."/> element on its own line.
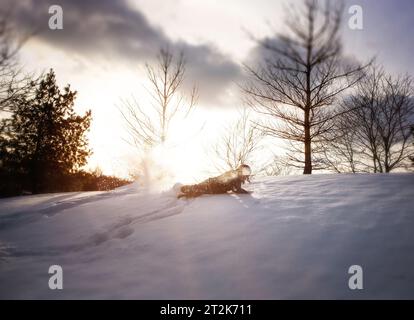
<point x="34" y="177"/>
<point x="308" y="155"/>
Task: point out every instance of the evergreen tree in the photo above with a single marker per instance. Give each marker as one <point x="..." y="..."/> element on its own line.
<point x="45" y="139"/>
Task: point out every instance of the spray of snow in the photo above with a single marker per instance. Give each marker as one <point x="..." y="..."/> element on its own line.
<point x="157" y="169"/>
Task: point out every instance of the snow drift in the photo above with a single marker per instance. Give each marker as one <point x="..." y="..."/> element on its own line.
<point x="294" y="237"/>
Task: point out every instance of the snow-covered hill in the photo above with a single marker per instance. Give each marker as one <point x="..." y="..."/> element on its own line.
<point x="294" y="237"/>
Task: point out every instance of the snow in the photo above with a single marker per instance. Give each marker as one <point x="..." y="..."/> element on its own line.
<point x="293" y="237"/>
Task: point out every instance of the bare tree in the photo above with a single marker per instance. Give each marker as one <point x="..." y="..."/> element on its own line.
<point x="148" y="123"/>
<point x="338" y="150"/>
<point x="14" y="84"/>
<point x="376" y="126"/>
<point x="278" y="166"/>
<point x="238" y="145"/>
<point x="301" y="79"/>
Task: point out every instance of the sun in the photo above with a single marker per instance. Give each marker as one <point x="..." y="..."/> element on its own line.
<point x="187" y="154"/>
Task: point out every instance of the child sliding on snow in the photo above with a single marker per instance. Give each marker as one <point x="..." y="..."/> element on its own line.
<point x="229" y="181"/>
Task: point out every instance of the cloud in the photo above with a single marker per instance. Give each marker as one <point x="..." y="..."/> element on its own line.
<point x="112" y="30"/>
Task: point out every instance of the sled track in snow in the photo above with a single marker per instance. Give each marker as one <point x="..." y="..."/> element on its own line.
<point x="120" y="230"/>
<point x="22" y="217"/>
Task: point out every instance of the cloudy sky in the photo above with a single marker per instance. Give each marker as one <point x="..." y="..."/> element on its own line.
<point x="104" y="44"/>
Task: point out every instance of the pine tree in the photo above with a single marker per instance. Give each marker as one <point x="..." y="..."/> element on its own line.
<point x="45" y="139"/>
